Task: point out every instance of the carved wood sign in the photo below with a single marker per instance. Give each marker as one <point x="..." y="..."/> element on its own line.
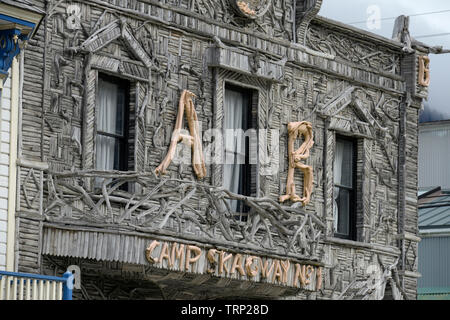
<point x="295" y="130"/>
<point x="424" y="71"/>
<point x="190" y="258"/>
<point x="198" y="162"/>
<point x="251" y="9"/>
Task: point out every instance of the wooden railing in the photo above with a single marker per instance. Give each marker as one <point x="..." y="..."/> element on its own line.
<point x="25" y="286"/>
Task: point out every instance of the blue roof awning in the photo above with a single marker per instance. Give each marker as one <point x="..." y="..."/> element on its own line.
<point x="18" y="21"/>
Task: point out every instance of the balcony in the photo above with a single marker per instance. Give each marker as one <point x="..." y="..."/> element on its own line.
<point x="177" y="208"/>
<point x="172" y="228"/>
<point x="25" y="286"/>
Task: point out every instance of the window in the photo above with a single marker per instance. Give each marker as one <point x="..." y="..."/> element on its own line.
<point x="388" y="293"/>
<point x="344" y="209"/>
<point x="239" y="117"/>
<point x="112" y="124"/>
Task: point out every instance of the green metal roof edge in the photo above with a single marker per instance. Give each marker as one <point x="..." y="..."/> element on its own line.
<point x="433" y="291"/>
<point x="430" y="297"/>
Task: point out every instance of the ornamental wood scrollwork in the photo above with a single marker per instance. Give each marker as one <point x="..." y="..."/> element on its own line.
<point x="198" y="161"/>
<point x="9" y="49"/>
<point x="186" y="206"/>
<point x="424" y="71"/>
<point x="295" y="130"/>
<point x="347" y="48"/>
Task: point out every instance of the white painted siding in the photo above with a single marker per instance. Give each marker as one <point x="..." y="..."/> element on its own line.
<point x="5" y="119"/>
<point x="434" y="155"/>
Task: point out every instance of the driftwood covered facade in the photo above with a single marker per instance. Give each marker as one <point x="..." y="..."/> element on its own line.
<point x="140" y="233"/>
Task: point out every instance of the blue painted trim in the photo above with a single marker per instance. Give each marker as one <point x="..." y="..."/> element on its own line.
<point x="31" y="276"/>
<point x="66" y="279"/>
<point x="18" y="21"/>
<point x="9" y="48"/>
<point x="67" y="286"/>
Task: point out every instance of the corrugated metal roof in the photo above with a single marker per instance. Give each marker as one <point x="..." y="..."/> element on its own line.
<point x="423" y="192"/>
<point x="95" y="245"/>
<point x="435" y="213"/>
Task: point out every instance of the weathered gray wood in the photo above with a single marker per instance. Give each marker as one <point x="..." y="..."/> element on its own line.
<point x="298" y="66"/>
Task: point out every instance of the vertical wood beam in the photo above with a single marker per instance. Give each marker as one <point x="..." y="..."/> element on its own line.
<point x="402" y="180"/>
<point x="12" y="181"/>
<point x="45" y="81"/>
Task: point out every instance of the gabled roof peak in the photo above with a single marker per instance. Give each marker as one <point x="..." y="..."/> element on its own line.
<point x="117" y="29"/>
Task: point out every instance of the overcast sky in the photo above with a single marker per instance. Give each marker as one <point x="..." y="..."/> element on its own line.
<point x="350" y="11"/>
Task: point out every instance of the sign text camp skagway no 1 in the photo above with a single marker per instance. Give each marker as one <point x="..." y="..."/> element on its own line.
<point x="190" y="258"/>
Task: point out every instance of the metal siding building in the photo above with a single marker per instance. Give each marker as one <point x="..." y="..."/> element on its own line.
<point x="434" y="263"/>
<point x="434" y="152"/>
<point x="434" y="249"/>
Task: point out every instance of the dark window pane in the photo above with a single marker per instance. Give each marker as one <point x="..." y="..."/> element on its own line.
<point x="237" y="120"/>
<point x="120" y="114"/>
<point x="118" y="154"/>
<point x="344" y="192"/>
<point x="343" y="216"/>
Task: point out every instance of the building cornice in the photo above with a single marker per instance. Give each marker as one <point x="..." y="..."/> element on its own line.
<point x="387" y="250"/>
<point x="24" y="15"/>
<point x="358" y="33"/>
<point x="201" y="27"/>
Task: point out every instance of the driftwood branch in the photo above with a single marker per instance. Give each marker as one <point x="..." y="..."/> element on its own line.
<point x="269" y="224"/>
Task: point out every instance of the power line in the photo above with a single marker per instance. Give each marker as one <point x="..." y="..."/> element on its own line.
<point x="411" y="15"/>
<point x="433" y="35"/>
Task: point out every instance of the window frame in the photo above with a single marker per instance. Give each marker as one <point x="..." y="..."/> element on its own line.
<point x="124" y="156"/>
<point x="262" y="101"/>
<point x="246" y="178"/>
<point x="352" y="191"/>
<point x="137" y="91"/>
